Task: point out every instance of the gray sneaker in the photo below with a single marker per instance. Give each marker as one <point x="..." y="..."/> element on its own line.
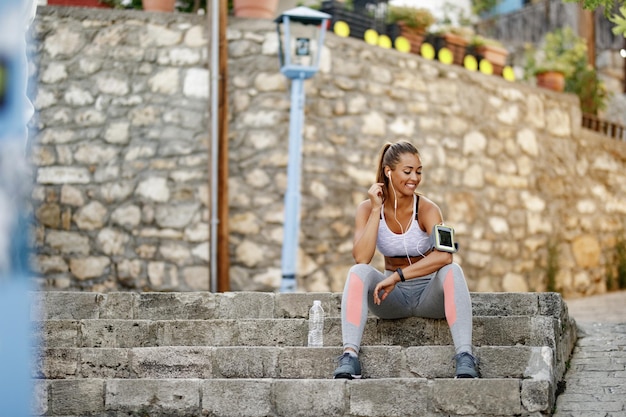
<point x="466" y="365"/>
<point x="349" y="367"/>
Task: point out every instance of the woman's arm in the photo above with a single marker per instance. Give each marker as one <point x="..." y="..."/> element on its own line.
<point x="366" y="226"/>
<point x="429" y="215"/>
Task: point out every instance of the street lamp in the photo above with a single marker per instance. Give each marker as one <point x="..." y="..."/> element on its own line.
<point x="300" y="38"/>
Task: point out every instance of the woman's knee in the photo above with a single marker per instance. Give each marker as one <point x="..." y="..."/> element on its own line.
<point x="455" y="268"/>
<point x="364" y="272"/>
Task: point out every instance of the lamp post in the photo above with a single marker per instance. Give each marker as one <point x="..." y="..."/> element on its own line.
<point x="300" y="38"/>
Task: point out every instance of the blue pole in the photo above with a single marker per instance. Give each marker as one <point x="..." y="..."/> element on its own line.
<point x="15" y="344"/>
<point x="292" y="196"/>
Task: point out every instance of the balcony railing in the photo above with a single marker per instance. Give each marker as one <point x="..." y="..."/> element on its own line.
<point x="611" y="129"/>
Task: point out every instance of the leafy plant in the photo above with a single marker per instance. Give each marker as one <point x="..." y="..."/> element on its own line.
<point x="483" y="6"/>
<point x="478" y="41"/>
<point x="620" y="22"/>
<point x="560" y="52"/>
<point x="565" y="52"/>
<point x="416" y="18"/>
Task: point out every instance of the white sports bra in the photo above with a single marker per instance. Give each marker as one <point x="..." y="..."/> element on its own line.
<point x="414" y="241"/>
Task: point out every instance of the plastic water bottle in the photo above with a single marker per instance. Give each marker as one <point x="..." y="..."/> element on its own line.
<point x="316" y="325"/>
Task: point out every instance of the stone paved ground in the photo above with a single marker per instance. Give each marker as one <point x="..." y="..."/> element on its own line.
<point x="596" y="379"/>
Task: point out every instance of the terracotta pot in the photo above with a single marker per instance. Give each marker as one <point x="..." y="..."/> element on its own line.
<point x="494" y="54"/>
<point x="551" y="80"/>
<point x="158" y="5"/>
<point x="414" y="36"/>
<point x="457" y="45"/>
<point x="259" y="9"/>
<point x="78" y="3"/>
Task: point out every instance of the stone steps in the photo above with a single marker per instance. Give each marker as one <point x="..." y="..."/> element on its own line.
<point x="209" y="306"/>
<point x="245" y="354"/>
<point x="283" y="362"/>
<point x="291" y="397"/>
<point x="413" y="331"/>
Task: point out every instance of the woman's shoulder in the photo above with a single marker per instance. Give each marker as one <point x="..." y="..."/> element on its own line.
<point x="426" y="202"/>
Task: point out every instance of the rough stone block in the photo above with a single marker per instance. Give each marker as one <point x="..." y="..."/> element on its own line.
<point x="76" y="397"/>
<point x="382" y="362"/>
<point x="56" y="363"/>
<point x="66" y="305"/>
<point x="310" y="397"/>
<point x="391" y="397"/>
<point x="116" y="333"/>
<point x="104" y="363"/>
<point x="277" y="332"/>
<point x="172" y="362"/>
<point x="297" y="305"/>
<point x="57" y="333"/>
<point x="537" y="395"/>
<point x="252" y="397"/>
<point x="504" y="304"/>
<point x="196" y="333"/>
<point x="476" y="396"/>
<point x="169" y="306"/>
<point x="247" y="362"/>
<point x="237" y="305"/>
<point x="153" y="397"/>
<point x="430" y="362"/>
<point x="118" y="305"/>
<point x="300" y="362"/>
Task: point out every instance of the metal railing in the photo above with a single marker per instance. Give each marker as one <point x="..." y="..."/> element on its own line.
<point x="611" y="129"/>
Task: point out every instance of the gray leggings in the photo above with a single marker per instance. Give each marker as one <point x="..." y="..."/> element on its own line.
<point x="441" y="294"/>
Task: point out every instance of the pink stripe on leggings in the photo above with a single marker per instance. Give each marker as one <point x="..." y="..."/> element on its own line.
<point x="448" y="295"/>
<point x="354" y="304"/>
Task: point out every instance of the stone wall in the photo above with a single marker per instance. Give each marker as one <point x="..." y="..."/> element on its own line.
<point x="121" y="195"/>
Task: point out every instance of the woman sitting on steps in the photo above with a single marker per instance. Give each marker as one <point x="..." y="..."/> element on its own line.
<point x="418" y="280"/>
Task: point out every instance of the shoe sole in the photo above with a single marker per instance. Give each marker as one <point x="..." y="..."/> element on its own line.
<point x="347" y="376"/>
<point x="466" y="376"/>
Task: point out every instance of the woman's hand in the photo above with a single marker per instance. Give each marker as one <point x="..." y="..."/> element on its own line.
<point x="375" y="194"/>
<point x="386" y="286"/>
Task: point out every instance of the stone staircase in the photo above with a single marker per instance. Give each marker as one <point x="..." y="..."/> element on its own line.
<point x="244" y="354"/>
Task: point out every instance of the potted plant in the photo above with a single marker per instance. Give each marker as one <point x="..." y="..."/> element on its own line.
<point x="555" y="59"/>
<point x="259" y="9"/>
<point x="491" y="50"/>
<point x="412" y="23"/>
<point x="358" y="21"/>
<point x="561" y="64"/>
<point x="454" y="39"/>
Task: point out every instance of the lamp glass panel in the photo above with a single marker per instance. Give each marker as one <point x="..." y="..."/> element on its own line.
<point x="303" y="42"/>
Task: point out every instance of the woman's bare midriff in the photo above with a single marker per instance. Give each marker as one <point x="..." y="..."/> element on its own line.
<point x="391" y="264"/>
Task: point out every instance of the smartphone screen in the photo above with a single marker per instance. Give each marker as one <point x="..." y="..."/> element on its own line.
<point x="445" y="238"/>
